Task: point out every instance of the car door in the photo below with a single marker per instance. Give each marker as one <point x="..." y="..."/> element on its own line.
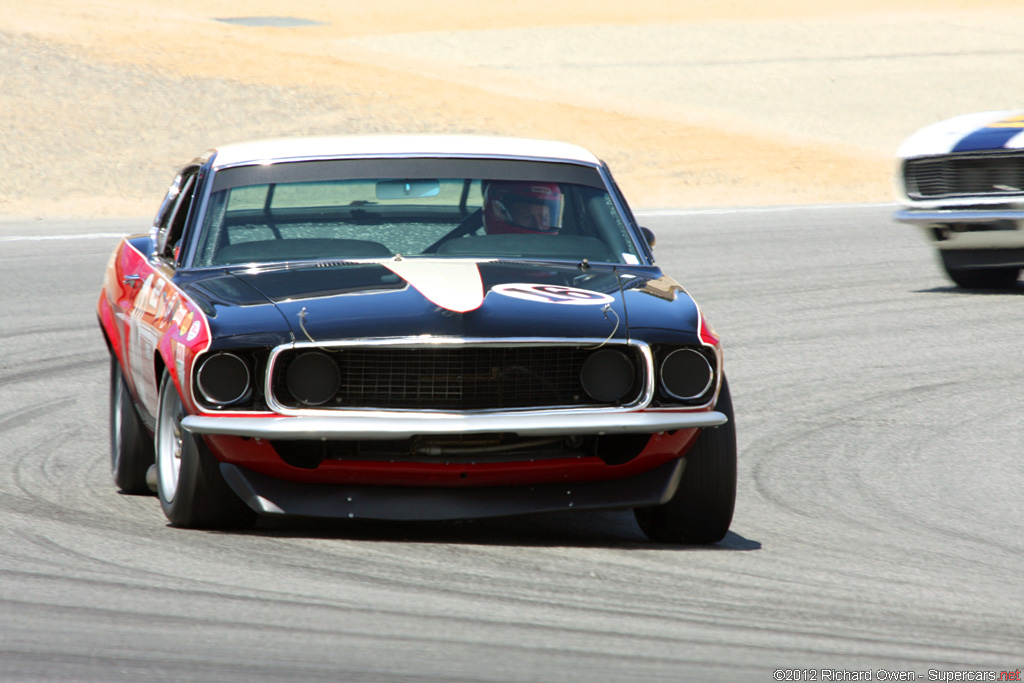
<point x="152" y="308"/>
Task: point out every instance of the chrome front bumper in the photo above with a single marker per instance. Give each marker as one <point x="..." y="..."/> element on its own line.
<point x="388" y="426"/>
<point x="968" y="228"/>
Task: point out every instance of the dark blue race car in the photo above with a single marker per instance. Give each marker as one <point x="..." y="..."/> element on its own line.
<point x="411" y="328"/>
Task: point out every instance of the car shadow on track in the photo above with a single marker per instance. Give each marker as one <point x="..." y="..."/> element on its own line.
<point x="580" y="529"/>
<point x="1016" y="290"/>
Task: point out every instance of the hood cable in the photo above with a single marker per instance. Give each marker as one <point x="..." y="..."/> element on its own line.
<point x="606" y="309"/>
<point x="302" y="324"/>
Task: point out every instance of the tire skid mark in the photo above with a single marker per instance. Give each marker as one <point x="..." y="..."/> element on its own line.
<point x="697" y="616"/>
<point x="705" y="618"/>
<point x="628" y="645"/>
<point x="364" y="576"/>
<point x="56" y="366"/>
<point x="868" y="410"/>
<point x="416" y="634"/>
<point x="57" y="330"/>
<point x="48" y="465"/>
<point x="25" y="416"/>
<point x="844" y="487"/>
<point x="318" y="603"/>
<point x="805" y="637"/>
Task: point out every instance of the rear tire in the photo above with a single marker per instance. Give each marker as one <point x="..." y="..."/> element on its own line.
<point x="701" y="509"/>
<point x="980" y="278"/>
<point x="131" y="447"/>
<point x="193" y="494"/>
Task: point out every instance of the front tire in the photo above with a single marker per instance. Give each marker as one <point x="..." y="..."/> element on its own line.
<point x="131" y="447"/>
<point x="1004" y="277"/>
<point x="701" y="509"/>
<point x="193" y="494"/>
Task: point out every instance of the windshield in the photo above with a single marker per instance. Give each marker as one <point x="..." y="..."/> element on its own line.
<point x="373" y="218"/>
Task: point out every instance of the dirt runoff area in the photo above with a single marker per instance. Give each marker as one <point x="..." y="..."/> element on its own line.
<point x="744" y="103"/>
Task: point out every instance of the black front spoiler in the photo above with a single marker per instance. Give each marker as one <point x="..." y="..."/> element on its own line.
<point x="270" y="496"/>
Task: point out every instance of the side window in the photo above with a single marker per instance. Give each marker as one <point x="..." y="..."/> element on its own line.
<point x="163" y="214"/>
<point x="173" y="214"/>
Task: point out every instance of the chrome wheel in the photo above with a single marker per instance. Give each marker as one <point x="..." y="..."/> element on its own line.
<point x="169" y="440"/>
<point x="192" y="490"/>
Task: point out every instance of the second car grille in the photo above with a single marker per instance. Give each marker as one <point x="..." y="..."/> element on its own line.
<point x="456" y="378"/>
<point x="964" y="176"/>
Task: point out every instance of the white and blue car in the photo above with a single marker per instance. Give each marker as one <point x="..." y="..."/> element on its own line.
<point x="962" y="182"/>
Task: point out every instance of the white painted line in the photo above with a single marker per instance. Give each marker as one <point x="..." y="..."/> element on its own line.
<point x="763" y="209"/>
<point x="41" y="238"/>
<point x="649" y="212"/>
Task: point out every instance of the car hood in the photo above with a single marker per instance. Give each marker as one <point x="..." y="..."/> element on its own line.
<point x="444" y="297"/>
<point x="990" y="130"/>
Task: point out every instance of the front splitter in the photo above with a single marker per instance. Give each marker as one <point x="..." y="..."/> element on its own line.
<point x="270" y="496"/>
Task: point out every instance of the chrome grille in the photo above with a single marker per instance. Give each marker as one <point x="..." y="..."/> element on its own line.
<point x="964" y="176"/>
<point x="458" y="377"/>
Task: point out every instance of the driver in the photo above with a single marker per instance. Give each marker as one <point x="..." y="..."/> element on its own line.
<point x="524" y="208"/>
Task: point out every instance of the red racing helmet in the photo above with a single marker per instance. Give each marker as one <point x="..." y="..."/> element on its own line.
<point x="522" y="207"/>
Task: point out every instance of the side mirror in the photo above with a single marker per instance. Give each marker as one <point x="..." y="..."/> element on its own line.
<point x="649" y="236"/>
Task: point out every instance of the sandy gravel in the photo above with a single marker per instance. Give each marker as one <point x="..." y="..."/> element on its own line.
<point x="738" y="104"/>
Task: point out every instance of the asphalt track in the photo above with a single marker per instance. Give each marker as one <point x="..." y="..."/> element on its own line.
<point x="879" y="527"/>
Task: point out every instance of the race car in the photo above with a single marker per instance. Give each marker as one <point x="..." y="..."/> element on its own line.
<point x="962" y="182"/>
<point x="411" y="328"/>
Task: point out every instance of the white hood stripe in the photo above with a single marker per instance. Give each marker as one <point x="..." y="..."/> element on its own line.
<point x="455" y="285"/>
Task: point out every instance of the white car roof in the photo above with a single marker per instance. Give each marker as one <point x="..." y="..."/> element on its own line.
<point x="284" y="149"/>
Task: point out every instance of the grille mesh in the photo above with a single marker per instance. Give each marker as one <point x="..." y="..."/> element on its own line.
<point x="965" y="176"/>
<point x="457" y="378"/>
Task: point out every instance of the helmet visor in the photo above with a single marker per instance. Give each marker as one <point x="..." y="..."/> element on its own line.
<point x="534" y="213"/>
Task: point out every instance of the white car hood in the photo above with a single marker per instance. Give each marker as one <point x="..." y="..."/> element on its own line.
<point x="970" y="132"/>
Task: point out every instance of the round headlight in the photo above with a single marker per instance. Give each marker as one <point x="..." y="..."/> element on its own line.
<point x="223" y="379"/>
<point x="686" y="374"/>
<point x="313" y="378"/>
<point x="607" y="375"/>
